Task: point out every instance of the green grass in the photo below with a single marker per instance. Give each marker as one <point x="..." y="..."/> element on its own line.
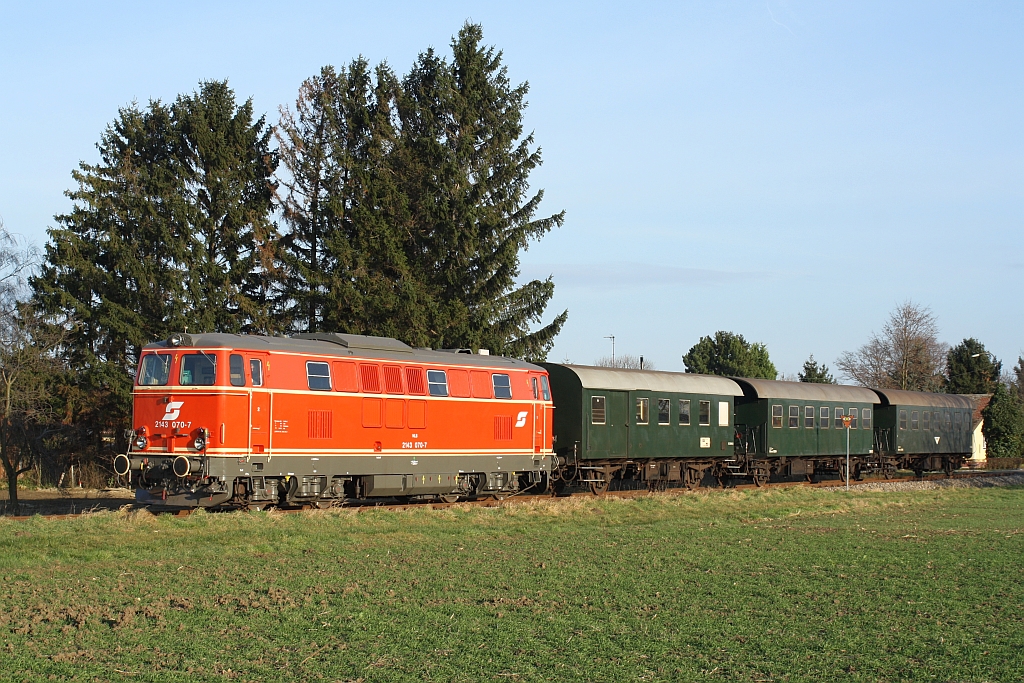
<point x="777" y="585"/>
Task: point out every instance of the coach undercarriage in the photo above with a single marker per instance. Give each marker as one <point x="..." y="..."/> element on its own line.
<point x="692" y="473"/>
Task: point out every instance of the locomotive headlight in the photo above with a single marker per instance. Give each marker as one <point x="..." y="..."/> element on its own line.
<point x="141" y="442"/>
<point x="200" y="441"/>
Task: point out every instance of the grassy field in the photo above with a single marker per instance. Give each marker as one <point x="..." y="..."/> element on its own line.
<point x="778" y="585"/>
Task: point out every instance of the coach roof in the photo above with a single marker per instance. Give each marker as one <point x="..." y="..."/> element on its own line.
<point x="337" y="344"/>
<point x="650" y="380"/>
<point x="899" y="397"/>
<point x="806" y="391"/>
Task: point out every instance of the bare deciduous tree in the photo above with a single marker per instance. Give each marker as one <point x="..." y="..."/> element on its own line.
<point x="27" y="361"/>
<point x="626" y="361"/>
<point x="906" y="355"/>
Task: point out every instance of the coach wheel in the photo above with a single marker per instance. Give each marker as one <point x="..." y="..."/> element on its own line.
<point x="598" y="487"/>
<point x="947" y="467"/>
<point x="693" y="477"/>
<point x="760" y="478"/>
<point x="844" y="473"/>
<point x="448" y="498"/>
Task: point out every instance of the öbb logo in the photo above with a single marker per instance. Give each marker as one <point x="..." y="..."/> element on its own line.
<point x="173" y="409"/>
<point x="521" y="419"/>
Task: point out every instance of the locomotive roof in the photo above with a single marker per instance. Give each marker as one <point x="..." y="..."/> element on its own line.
<point x="651" y="380"/>
<point x="767" y="388"/>
<point x="337" y="344"/>
<point x="899" y="397"/>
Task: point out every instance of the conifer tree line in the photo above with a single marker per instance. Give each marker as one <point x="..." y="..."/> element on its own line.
<point x="378" y="204"/>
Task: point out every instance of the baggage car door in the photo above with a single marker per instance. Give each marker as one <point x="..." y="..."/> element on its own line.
<point x="259" y="402"/>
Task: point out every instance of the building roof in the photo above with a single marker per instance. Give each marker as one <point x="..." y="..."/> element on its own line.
<point x="809" y="391"/>
<point x="344" y="345"/>
<point x="651" y="380"/>
<point x="981" y="402"/>
<point x="894" y="397"/>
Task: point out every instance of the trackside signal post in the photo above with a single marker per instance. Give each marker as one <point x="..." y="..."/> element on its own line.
<point x="847" y="421"/>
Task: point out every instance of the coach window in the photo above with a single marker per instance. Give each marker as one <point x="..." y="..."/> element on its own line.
<point x="545" y="389"/>
<point x="597" y="412"/>
<point x="839" y="414"/>
<point x="914" y="420"/>
<point x="684" y="412"/>
<point x="236" y="368"/>
<point x="956" y="419"/>
<point x="926" y="421"/>
<point x="903" y="419"/>
<point x="777" y="417"/>
<point x="936" y="424"/>
<point x="853" y="418"/>
<point x="437" y="383"/>
<point x="704" y="413"/>
<point x="198" y="369"/>
<point x="156" y="369"/>
<point x="809" y="417"/>
<point x="664" y="411"/>
<point x="533" y="385"/>
<point x="865" y="418"/>
<point x="642" y="407"/>
<point x="502" y="386"/>
<point x="318" y="376"/>
<point x="949" y="421"/>
<point x="823" y="417"/>
<point x="794" y="417"/>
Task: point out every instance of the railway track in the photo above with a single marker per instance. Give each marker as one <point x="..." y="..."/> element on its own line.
<point x="489" y="501"/>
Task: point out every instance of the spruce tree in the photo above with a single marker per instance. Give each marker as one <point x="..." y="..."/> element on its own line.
<point x="170" y="230"/>
<point x="1003" y="424"/>
<point x="115" y="266"/>
<point x="464" y="167"/>
<point x="815" y="373"/>
<point x="970" y="369"/>
<point x="226" y="167"/>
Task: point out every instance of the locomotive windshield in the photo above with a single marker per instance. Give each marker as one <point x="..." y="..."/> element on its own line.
<point x="156" y="367"/>
<point x="198" y="369"/>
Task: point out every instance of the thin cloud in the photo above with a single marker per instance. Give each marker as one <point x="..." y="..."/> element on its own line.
<point x="631" y="275"/>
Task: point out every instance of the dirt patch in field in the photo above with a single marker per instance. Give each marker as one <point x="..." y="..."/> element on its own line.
<point x="68" y="501"/>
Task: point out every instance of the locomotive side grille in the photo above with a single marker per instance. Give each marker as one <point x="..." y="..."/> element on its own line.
<point x="392" y="379"/>
<point x="503" y="428"/>
<point x="321" y="424"/>
<point x="371" y="378"/>
<point x="414" y="378"/>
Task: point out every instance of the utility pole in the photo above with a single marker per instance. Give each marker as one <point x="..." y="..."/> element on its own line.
<point x="612" y="337"/>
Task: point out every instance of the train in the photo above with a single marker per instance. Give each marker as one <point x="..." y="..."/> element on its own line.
<point x="328" y="419"/>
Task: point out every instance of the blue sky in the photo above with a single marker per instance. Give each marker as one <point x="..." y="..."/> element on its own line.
<point x="790" y="171"/>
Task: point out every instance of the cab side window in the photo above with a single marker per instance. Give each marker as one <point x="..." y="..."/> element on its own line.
<point x="502" y="386"/>
<point x="236" y="368"/>
<point x="256" y="371"/>
<point x="437" y="383"/>
<point x="198" y="369"/>
<point x="318" y="376"/>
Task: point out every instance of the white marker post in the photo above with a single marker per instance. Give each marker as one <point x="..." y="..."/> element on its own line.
<point x="847" y="421"/>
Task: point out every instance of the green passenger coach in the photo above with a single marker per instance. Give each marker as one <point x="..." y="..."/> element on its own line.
<point x="613" y="424"/>
<point x="797" y="428"/>
<point x="923" y="431"/>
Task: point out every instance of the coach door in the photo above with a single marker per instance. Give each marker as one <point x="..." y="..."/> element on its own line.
<point x="259" y="403"/>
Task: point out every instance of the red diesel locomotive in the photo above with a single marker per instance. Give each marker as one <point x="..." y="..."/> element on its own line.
<point x="319" y="419"/>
